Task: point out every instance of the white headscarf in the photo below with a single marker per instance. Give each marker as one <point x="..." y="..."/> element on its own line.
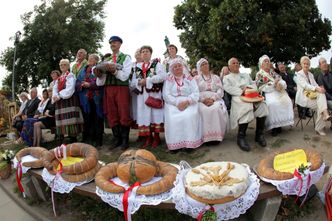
<point x="261" y="59"/>
<point x="199" y="63"/>
<point x="174" y="62"/>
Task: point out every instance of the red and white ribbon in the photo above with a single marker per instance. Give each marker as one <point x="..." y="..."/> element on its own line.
<point x="200" y="215"/>
<point x="58" y="173"/>
<point x="299" y="176"/>
<point x="19" y="178"/>
<point x="128" y="197"/>
<point x="61" y="152"/>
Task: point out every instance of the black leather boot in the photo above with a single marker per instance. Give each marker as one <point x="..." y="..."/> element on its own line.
<point x="301" y="111"/>
<point x="125" y="137"/>
<point x="260" y="125"/>
<point x="117" y="139"/>
<point x="241" y="137"/>
<point x="84" y="137"/>
<point x="99" y="140"/>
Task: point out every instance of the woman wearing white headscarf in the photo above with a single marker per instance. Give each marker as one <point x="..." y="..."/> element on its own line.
<point x="182" y="119"/>
<point x="273" y="88"/>
<point x="212" y="108"/>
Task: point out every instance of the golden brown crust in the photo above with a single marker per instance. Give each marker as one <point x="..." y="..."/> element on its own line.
<point x="87" y="152"/>
<point x="165" y="170"/>
<point x="265" y="166"/>
<point x="86" y="176"/>
<point x="209" y="201"/>
<point x="36" y="152"/>
<point x="103" y="177"/>
<point x="138" y="163"/>
<point x="47" y="158"/>
<point x="168" y="174"/>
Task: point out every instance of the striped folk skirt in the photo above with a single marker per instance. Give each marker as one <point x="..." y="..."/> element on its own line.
<point x="68" y="116"/>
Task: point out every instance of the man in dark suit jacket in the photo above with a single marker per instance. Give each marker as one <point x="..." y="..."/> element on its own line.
<point x="288" y="78"/>
<point x="29" y="110"/>
<point x="325" y="79"/>
<point x="32" y="105"/>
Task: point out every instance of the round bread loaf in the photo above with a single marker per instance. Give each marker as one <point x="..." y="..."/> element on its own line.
<point x="217" y="182"/>
<point x="266" y="170"/>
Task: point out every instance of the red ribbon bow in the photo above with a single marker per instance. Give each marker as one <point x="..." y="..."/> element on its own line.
<point x="200" y="215"/>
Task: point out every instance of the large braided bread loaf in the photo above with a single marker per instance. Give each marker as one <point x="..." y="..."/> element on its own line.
<point x="137" y="165"/>
<point x="265" y="166"/>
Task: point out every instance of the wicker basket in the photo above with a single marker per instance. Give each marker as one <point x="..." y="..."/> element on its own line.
<point x="6" y="171"/>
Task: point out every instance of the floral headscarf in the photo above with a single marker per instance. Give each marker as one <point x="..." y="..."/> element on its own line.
<point x="174" y="62"/>
<point x="261" y="59"/>
<point x="199" y="64"/>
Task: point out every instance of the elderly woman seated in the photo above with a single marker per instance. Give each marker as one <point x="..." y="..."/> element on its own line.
<point x="182" y="119"/>
<point x="212" y="108"/>
<point x="312" y="96"/>
<point x="273" y="88"/>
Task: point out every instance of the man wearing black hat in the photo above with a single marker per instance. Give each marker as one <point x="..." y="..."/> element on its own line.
<point x="116" y="100"/>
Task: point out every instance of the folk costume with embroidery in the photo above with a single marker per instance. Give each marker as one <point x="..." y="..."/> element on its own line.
<point x="215" y="116"/>
<point x="280" y="106"/>
<point x="78" y="66"/>
<point x="149" y="119"/>
<point x="242" y="112"/>
<point x="68" y="115"/>
<point x="182" y="128"/>
<point x="117" y="97"/>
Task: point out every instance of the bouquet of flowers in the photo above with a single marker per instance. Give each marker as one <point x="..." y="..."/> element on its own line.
<point x="7" y="156"/>
<point x="5" y="165"/>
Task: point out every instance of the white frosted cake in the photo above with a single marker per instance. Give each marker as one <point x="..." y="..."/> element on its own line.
<point x="217" y="182"/>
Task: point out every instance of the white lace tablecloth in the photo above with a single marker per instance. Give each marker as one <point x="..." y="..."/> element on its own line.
<point x="115" y="199"/>
<point x="231" y="210"/>
<point x="27" y="158"/>
<point x="60" y="185"/>
<point x="292" y="186"/>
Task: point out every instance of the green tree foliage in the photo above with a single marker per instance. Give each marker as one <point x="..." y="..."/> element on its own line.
<point x="220" y="29"/>
<point x="52" y="31"/>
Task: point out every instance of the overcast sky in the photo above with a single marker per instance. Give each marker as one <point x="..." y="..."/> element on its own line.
<point x="137" y="22"/>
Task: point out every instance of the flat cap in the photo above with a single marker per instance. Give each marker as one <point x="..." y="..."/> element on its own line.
<point x="115" y="38"/>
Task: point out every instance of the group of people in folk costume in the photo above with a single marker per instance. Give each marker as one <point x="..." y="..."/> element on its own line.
<point x="165" y="97"/>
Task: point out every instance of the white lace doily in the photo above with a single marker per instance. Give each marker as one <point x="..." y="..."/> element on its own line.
<point x="115" y="199"/>
<point x="60" y="185"/>
<point x="231" y="210"/>
<point x="27" y="158"/>
<point x="292" y="186"/>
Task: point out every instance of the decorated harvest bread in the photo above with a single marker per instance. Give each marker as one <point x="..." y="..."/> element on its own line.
<point x="265" y="166"/>
<point x="86" y="176"/>
<point x="36" y="152"/>
<point x="86" y="151"/>
<point x="217" y="182"/>
<point x="137" y="165"/>
<point x="82" y="170"/>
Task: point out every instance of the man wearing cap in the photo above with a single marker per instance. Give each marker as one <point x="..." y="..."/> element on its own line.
<point x="115" y="77"/>
<point x="245" y="106"/>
